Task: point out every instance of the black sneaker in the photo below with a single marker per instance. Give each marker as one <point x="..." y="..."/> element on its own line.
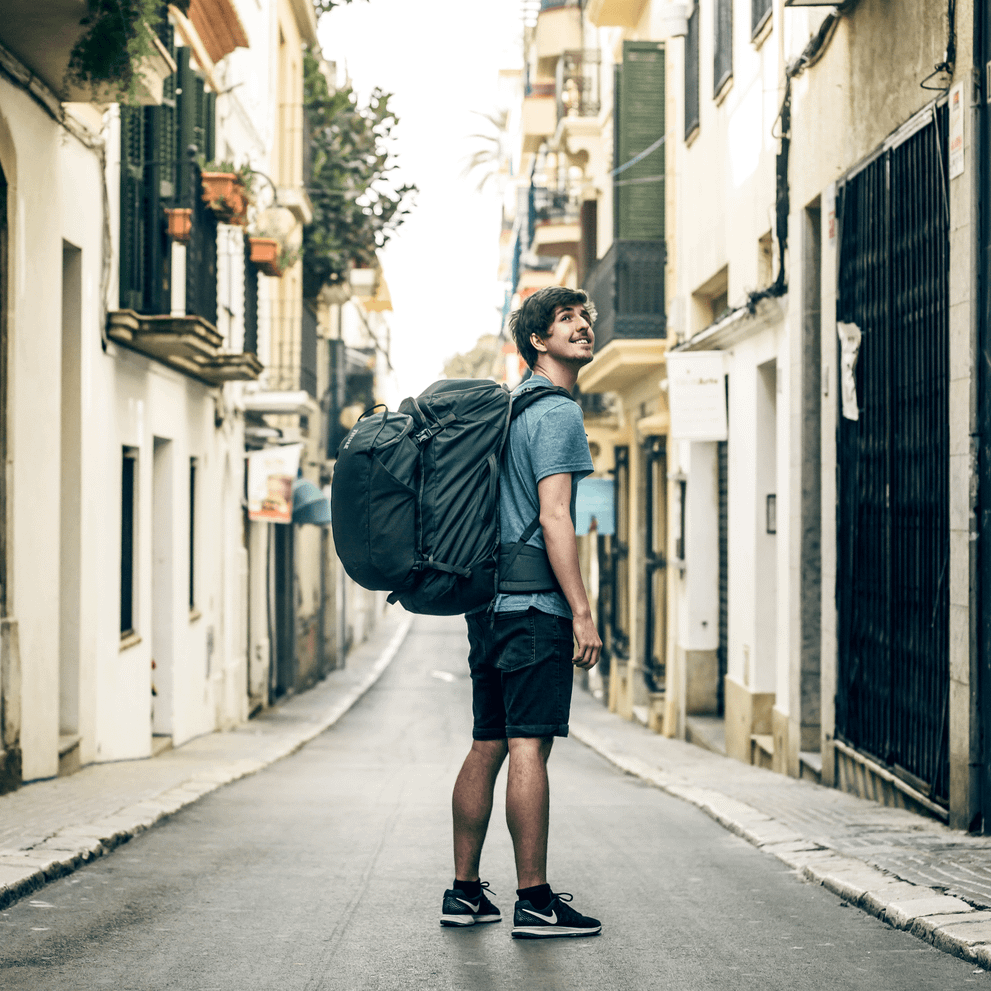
<point x="557" y="919"/>
<point x="459" y="910"/>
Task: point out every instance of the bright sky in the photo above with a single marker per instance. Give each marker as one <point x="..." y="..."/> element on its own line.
<point x="440" y="59"/>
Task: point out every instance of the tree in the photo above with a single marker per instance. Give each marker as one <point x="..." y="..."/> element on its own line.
<point x="356" y="209"/>
<point x="487" y="161"/>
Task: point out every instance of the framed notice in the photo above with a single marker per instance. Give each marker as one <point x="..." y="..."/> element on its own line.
<point x="697" y="395"/>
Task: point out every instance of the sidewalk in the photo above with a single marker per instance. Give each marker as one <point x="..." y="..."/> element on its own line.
<point x="50" y="828"/>
<point x="910" y="871"/>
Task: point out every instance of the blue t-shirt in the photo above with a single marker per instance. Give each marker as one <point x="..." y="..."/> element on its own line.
<point x="547" y="438"/>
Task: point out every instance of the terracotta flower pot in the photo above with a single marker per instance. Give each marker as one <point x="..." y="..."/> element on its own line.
<point x="224" y="194"/>
<point x="180" y="224"/>
<point x="265" y="254"/>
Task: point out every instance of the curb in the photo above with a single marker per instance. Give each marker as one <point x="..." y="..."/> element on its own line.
<point x="23" y="872"/>
<point x="948" y="923"/>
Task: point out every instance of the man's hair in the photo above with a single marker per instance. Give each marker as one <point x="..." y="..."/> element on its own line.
<point x="536" y="315"/>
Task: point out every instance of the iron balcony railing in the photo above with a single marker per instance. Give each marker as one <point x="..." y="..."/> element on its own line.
<point x="577" y="87"/>
<point x="627" y="287"/>
<point x="552" y="206"/>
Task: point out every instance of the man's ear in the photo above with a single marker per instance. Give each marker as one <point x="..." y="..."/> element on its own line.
<point x="538" y="342"/>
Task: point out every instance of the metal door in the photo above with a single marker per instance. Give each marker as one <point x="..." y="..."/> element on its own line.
<point x="893" y="461"/>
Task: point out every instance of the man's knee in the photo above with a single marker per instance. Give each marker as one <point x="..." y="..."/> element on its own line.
<point x="530" y="746"/>
<point x="489" y="751"/>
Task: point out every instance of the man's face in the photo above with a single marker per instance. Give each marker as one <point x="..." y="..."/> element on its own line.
<point x="570" y="338"/>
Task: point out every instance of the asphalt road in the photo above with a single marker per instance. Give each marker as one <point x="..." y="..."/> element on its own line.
<point x="326" y="871"/>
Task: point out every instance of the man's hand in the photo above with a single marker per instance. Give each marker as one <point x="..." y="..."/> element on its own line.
<point x="588" y="641"/>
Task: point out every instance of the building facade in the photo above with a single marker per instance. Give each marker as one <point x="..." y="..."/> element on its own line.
<point x="137" y="322"/>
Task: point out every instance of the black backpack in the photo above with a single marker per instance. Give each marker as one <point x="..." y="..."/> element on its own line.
<point x="415" y="500"/>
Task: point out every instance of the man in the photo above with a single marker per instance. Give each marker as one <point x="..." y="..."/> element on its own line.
<point x="521" y="659"/>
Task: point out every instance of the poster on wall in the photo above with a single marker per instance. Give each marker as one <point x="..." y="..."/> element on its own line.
<point x="595" y="507"/>
<point x="697" y="395"/>
<point x="270" y="477"/>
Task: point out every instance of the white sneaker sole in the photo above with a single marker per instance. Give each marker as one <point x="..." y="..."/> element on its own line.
<point x="467" y="920"/>
<point x="549" y="932"/>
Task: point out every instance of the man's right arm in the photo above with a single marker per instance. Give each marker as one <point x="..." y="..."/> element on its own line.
<point x="554" y="493"/>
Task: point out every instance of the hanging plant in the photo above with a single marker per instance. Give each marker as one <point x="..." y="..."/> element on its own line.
<point x="117" y="38"/>
<point x="226" y="190"/>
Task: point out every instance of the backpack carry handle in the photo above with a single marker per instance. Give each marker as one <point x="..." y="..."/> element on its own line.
<point x="372" y="409"/>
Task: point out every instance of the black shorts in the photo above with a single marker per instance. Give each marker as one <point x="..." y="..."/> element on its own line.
<point x="521" y="674"/>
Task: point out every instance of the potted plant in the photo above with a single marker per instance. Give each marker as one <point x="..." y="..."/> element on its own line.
<point x="265" y="254"/>
<point x="180" y="224"/>
<point x="226" y="190"/>
<point x="119" y="57"/>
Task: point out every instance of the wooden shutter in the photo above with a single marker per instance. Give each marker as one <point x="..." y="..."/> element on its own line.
<point x="132" y="207"/>
<point x="639" y="199"/>
<point x="197" y="113"/>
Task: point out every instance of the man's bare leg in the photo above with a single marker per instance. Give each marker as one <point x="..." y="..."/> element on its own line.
<point x="471" y="804"/>
<point x="528" y="807"/>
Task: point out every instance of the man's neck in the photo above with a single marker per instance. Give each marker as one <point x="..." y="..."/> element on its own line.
<point x="559" y="374"/>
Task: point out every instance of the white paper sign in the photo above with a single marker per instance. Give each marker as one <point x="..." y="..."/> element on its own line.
<point x="849" y="334"/>
<point x="956" y="130"/>
<point x="697" y="395"/>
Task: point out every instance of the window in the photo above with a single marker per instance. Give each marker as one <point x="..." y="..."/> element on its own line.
<point x="760" y="14"/>
<point x="129" y="473"/>
<point x="692" y="120"/>
<point x="155" y="176"/>
<point x="722" y="67"/>
<point x="710" y="301"/>
<point x="192" y="534"/>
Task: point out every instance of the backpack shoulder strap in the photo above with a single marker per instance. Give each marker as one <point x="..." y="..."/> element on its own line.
<point x="530" y="396"/>
<point x="519" y="404"/>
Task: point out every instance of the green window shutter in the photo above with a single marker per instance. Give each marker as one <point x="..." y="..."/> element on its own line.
<point x="132" y="207"/>
<point x="639" y="205"/>
<point x="616" y="160"/>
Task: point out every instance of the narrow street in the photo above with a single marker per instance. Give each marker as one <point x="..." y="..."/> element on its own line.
<point x="326" y="871"/>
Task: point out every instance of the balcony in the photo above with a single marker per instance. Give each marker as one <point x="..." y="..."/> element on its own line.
<point x="556" y="222"/>
<point x="190" y="345"/>
<point x="627" y="287"/>
<point x="615" y="13"/>
<point x="539" y="114"/>
<point x="559" y="29"/>
<point x="41" y="34"/>
<point x="577" y="84"/>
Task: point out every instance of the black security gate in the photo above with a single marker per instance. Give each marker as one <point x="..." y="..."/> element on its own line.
<point x="892" y="583"/>
<point x="722" y="654"/>
<point x="613" y="565"/>
<point x="654" y="563"/>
